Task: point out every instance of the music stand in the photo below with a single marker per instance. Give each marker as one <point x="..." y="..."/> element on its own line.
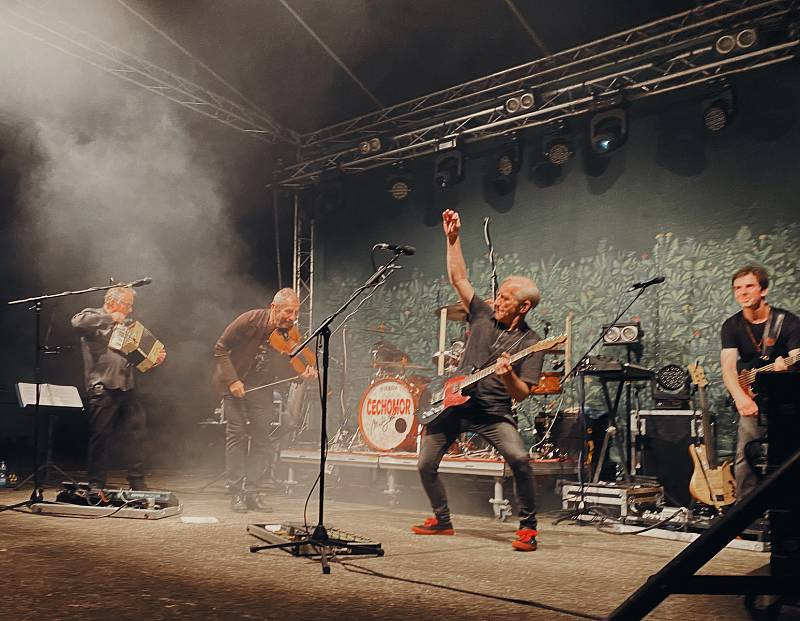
<point x="52" y="397"/>
<point x="319" y="538"/>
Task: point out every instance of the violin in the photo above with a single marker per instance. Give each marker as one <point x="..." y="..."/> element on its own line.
<point x="285" y="341"/>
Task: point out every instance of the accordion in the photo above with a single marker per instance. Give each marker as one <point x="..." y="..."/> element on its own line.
<point x="137" y="344"/>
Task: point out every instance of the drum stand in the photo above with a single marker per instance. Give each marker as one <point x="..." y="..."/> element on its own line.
<point x="319" y="539"/>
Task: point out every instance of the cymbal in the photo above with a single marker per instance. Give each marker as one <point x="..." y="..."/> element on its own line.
<point x="400" y="365"/>
<point x="455" y="312"/>
<point x="379" y="329"/>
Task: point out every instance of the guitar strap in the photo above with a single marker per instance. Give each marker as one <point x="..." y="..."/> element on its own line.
<point x="495" y="350"/>
<point x="769" y="340"/>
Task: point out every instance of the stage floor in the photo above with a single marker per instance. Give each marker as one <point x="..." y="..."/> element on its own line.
<point x="92" y="569"/>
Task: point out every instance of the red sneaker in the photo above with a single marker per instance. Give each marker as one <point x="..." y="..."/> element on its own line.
<point x="432" y="526"/>
<point x="526" y="540"/>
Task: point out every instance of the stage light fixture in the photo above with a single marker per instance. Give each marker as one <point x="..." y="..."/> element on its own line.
<point x="736" y="41"/>
<point x="399" y="183"/>
<point x="370" y="145"/>
<point x="448" y="168"/>
<point x="519" y="103"/>
<point x="628" y="333"/>
<point x="608" y="130"/>
<point x="556" y="145"/>
<point x="671" y="388"/>
<point x="506" y="166"/>
<point x="718" y="110"/>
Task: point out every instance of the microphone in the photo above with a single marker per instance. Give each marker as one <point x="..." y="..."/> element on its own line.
<point x="409" y="250"/>
<point x="647" y="283"/>
<point x="142" y="281"/>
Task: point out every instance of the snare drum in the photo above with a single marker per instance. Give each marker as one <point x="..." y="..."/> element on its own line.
<point x="386" y="415"/>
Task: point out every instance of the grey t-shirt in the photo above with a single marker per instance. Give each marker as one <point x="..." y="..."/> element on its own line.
<point x="488" y="339"/>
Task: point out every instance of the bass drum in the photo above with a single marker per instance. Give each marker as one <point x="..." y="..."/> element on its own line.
<point x="386" y="415"/>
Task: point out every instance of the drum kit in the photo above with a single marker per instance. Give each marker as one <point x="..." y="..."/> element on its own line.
<point x="387" y="407"/>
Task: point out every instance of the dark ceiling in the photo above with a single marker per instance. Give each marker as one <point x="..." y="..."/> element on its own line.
<point x="311" y="63"/>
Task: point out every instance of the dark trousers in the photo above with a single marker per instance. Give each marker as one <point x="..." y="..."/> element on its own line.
<point x="746" y="478"/>
<point x="500" y="433"/>
<point x="115" y="415"/>
<point x="243" y="467"/>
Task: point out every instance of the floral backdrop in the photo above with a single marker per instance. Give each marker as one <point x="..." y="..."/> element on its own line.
<point x="681" y="318"/>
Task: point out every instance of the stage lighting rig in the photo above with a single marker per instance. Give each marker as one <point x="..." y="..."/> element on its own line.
<point x="506" y="166"/>
<point x="719" y="109"/>
<point x="449" y="165"/>
<point x="399" y="183"/>
<point x="557" y="146"/>
<point x="608" y="130"/>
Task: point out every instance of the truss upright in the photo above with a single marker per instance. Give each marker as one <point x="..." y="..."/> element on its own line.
<point x="303" y="265"/>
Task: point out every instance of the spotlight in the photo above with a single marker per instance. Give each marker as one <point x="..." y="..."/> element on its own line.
<point x="623" y="334"/>
<point x="556" y="145"/>
<point x="519" y="103"/>
<point x="671" y="388"/>
<point x="740" y="41"/>
<point x="399" y="183"/>
<point x="371" y="145"/>
<point x="448" y="169"/>
<point x="507" y="165"/>
<point x="608" y="130"/>
<point x="718" y="110"/>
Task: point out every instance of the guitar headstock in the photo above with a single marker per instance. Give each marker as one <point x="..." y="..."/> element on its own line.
<point x="549" y="343"/>
<point x="697" y="374"/>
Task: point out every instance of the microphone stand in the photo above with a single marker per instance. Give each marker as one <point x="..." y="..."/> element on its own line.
<point x="37" y="494"/>
<point x="574" y="514"/>
<point x="319" y="537"/>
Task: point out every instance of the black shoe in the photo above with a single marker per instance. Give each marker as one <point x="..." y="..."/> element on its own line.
<point x="138" y="484"/>
<point x="257" y="502"/>
<point x="239" y="503"/>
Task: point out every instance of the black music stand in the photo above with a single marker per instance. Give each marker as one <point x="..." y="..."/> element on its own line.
<point x="51" y="399"/>
<point x="319" y="538"/>
<point x="39" y="349"/>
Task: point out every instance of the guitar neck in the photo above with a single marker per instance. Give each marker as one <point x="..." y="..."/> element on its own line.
<point x="748" y="376"/>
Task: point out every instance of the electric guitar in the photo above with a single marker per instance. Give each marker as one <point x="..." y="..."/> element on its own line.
<point x="748" y="372"/>
<point x="711" y="482"/>
<point x="443" y="393"/>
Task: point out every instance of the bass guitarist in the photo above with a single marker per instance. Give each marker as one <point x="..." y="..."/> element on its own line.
<point x="495" y="332"/>
<point x="756" y="336"/>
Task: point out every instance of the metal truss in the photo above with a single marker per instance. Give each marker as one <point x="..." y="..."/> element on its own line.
<point x="662" y="56"/>
<point x="303" y="268"/>
<point x="70" y="40"/>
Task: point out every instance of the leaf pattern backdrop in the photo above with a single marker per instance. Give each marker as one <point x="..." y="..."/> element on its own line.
<point x="674" y="201"/>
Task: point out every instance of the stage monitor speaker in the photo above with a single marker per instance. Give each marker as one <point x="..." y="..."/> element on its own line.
<point x="665" y="452"/>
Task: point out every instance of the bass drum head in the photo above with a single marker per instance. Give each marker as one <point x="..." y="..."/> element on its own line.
<point x="386" y="415"/>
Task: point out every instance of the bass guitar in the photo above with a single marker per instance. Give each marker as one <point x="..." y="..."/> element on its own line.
<point x="711" y="483"/>
<point x="443" y="394"/>
<point x="749" y="371"/>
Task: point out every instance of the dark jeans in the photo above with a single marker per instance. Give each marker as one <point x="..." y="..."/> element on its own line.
<point x="746" y="478"/>
<point x="500" y="433"/>
<point x="115" y="415"/>
<point x="243" y="467"/>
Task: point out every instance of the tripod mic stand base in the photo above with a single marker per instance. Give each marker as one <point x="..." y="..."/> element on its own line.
<point x="325" y="543"/>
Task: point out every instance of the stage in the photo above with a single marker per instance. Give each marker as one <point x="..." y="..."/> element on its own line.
<point x="71" y="568"/>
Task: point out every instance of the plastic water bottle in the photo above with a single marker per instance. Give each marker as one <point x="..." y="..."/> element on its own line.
<point x="3" y="474"/>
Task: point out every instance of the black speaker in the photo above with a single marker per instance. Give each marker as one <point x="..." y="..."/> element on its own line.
<point x="665" y="452"/>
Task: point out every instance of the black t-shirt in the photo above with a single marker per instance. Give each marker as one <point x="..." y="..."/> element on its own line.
<point x="735" y="335"/>
<point x="269" y="365"/>
<point x="487" y="340"/>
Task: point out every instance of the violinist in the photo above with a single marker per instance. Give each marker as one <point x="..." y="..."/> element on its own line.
<point x="252" y="352"/>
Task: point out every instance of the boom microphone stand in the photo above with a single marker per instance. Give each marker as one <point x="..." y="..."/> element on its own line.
<point x="37" y="494"/>
<point x="640" y="288"/>
<point x="319" y="539"/>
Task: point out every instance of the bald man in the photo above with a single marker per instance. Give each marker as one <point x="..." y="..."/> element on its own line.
<point x="496" y="332"/>
<point x="245" y="359"/>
